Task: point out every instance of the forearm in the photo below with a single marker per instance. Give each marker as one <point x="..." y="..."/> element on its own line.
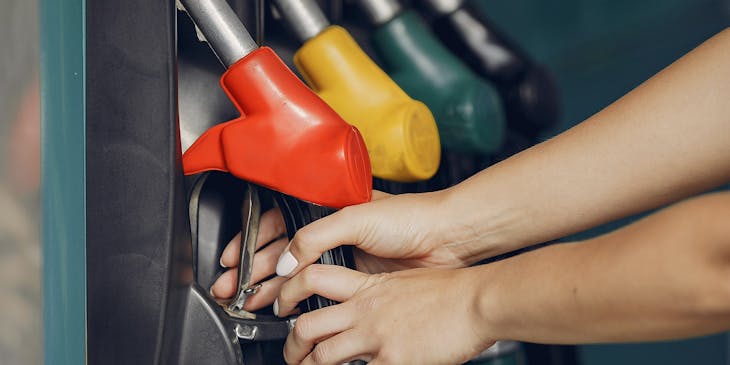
<point x="663" y="277"/>
<point x="665" y="140"/>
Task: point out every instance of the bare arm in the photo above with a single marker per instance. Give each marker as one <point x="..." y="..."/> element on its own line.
<point x="663" y="277"/>
<point x="665" y="140"/>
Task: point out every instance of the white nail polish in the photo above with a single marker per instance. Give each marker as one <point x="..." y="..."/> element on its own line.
<point x="287" y="263"/>
<point x="276" y="307"/>
<point x="220" y="262"/>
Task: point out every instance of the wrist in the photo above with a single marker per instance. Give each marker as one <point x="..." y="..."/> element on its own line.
<point x="485" y="301"/>
<point x="477" y="224"/>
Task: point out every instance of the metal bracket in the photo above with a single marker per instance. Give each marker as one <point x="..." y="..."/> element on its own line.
<point x="250" y="217"/>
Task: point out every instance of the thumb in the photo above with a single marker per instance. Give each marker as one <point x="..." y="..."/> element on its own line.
<point x="310" y="242"/>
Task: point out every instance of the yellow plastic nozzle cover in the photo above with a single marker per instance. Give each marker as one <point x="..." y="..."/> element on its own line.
<point x="400" y="133"/>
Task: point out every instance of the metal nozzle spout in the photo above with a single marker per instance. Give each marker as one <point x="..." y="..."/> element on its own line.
<point x="380" y="11"/>
<point x="443" y="7"/>
<point x="221" y="28"/>
<point x="305" y="17"/>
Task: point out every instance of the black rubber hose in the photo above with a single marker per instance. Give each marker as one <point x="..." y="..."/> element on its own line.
<point x="298" y="214"/>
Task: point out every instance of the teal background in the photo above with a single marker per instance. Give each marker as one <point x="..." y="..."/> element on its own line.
<point x="705" y="350"/>
<point x="599" y="50"/>
<point x="63" y="180"/>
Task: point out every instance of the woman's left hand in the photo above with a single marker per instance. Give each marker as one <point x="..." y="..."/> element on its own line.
<point x="418" y="316"/>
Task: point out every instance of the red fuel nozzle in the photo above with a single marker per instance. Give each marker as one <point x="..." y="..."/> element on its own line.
<point x="287" y="139"/>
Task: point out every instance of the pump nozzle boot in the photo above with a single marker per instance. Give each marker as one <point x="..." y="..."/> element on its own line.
<point x="287" y="139"/>
<point x="465" y="111"/>
<point x="400" y="133"/>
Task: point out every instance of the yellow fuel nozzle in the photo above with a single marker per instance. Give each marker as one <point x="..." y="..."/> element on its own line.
<point x="400" y="133"/>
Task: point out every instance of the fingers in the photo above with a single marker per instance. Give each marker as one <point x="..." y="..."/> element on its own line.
<point x="225" y="287"/>
<point x="317" y="237"/>
<point x="264" y="263"/>
<point x="323" y="336"/>
<point x="347" y="346"/>
<point x="333" y="282"/>
<point x="345" y="227"/>
<point x="344" y="347"/>
<point x="313" y="327"/>
<point x="231" y="254"/>
<point x="266" y="294"/>
<point x="271" y="226"/>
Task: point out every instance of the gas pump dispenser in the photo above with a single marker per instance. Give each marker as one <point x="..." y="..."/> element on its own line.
<point x="153" y="236"/>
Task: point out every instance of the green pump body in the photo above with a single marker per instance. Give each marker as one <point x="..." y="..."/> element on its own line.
<point x="468" y="110"/>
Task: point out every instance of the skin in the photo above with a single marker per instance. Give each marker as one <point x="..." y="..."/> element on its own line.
<point x="672" y="285"/>
<point x="660" y="278"/>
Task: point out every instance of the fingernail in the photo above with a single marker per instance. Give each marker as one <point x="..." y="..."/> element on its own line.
<point x="287" y="263"/>
<point x="220" y="262"/>
<point x="276" y="307"/>
<point x="211" y="292"/>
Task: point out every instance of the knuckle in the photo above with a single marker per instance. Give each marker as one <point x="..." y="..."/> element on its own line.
<point x="285" y="293"/>
<point x="303" y="237"/>
<point x="303" y="328"/>
<point x="311" y="275"/>
<point x="321" y="353"/>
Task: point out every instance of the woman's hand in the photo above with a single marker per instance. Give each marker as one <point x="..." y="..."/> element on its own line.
<point x="420" y="316"/>
<point x="270" y="242"/>
<point x="391" y="233"/>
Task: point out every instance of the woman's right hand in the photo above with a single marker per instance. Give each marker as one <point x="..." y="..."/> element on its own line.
<point x="391" y="233"/>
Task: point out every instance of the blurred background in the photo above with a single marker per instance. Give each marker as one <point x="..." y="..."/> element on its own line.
<point x="597" y="49"/>
<point x="20" y="284"/>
